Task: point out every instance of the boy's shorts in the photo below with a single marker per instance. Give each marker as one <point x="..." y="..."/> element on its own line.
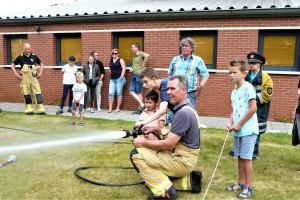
<point x="244" y="146"/>
<point x="74" y="106"/>
<point x="136" y="84"/>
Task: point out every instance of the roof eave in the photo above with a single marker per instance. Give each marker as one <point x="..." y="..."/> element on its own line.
<point x="172" y="15"/>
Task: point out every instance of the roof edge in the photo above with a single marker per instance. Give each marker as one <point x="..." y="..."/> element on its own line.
<point x="241" y="13"/>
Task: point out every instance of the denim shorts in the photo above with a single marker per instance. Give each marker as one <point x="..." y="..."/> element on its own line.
<point x="244" y="146"/>
<point x="74" y="107"/>
<point x="116" y="86"/>
<point x="136" y="84"/>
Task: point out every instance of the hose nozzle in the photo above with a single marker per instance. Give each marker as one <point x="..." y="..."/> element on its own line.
<point x="133" y="133"/>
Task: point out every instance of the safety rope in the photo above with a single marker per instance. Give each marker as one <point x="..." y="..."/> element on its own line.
<point x="213" y="174"/>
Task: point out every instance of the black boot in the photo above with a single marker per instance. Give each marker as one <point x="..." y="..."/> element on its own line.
<point x="170" y="194"/>
<point x="196" y="181"/>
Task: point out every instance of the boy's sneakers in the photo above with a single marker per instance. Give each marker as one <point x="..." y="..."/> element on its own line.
<point x="72" y="124"/>
<point x="59" y="111"/>
<point x="170" y="194"/>
<point x="231" y="153"/>
<point x="70" y="110"/>
<point x="196" y="181"/>
<point x="81" y="124"/>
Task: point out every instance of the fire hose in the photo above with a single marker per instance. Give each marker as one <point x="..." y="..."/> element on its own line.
<point x="134" y="133"/>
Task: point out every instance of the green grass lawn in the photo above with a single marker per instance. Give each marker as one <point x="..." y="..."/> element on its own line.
<point x="47" y="173"/>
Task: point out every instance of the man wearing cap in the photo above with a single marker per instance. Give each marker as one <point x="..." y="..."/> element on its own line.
<point x="263" y="85"/>
<point x="69" y="71"/>
<point x="29" y="76"/>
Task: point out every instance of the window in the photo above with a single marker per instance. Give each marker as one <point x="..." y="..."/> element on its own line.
<point x="15" y="47"/>
<point x="281" y="50"/>
<point x="206" y="45"/>
<point x="68" y="45"/>
<point x="123" y="42"/>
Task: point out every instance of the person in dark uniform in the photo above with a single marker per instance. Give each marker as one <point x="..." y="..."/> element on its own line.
<point x="29" y="76"/>
<point x="263" y="86"/>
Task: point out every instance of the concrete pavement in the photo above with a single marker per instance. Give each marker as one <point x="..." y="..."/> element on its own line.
<point x="206" y="122"/>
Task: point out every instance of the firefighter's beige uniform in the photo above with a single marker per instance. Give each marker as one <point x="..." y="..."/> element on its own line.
<point x="161" y="169"/>
<point x="30" y="86"/>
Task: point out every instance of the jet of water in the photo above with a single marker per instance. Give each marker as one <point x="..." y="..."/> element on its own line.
<point x="95" y="137"/>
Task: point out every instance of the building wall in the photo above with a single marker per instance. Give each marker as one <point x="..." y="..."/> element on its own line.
<point x="236" y="38"/>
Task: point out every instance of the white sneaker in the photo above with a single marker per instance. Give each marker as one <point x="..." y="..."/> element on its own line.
<point x="99" y="109"/>
<point x="92" y="110"/>
<point x="88" y="109"/>
<point x="83" y="110"/>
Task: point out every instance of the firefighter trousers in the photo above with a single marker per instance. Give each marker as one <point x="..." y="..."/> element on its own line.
<point x="162" y="169"/>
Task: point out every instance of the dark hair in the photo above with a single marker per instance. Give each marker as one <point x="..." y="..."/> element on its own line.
<point x="239" y="63"/>
<point x="137" y="45"/>
<point x="153" y="95"/>
<point x="183" y="81"/>
<point x="149" y="72"/>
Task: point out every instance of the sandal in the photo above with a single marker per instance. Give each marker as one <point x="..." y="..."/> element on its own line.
<point x="232" y="187"/>
<point x="246" y="195"/>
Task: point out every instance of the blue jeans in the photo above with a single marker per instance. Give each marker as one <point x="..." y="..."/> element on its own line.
<point x="116" y="85"/>
<point x="136" y="84"/>
<point x="66" y="89"/>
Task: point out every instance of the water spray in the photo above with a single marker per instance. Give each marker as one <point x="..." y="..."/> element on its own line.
<point x="10" y="159"/>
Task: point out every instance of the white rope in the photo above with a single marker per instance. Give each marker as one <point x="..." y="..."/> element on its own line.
<point x="213" y="174"/>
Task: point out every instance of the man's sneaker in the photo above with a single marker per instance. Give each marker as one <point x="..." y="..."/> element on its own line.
<point x="138" y="112"/>
<point x="72" y="124"/>
<point x="81" y="124"/>
<point x="196" y="181"/>
<point x="1" y="110"/>
<point x="59" y="111"/>
<point x="170" y="194"/>
<point x="92" y="110"/>
<point x="231" y="153"/>
<point x="70" y="110"/>
<point x="143" y="108"/>
<point x="99" y="109"/>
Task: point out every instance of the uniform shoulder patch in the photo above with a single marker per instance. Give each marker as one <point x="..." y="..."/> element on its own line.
<point x="270" y="90"/>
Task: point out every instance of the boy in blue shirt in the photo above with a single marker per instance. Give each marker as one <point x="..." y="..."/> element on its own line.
<point x="243" y="123"/>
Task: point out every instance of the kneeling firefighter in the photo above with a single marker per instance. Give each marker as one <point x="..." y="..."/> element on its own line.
<point x="29" y="79"/>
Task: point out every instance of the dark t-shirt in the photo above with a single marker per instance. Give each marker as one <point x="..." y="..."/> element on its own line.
<point x="185" y="124"/>
<point x="31" y="60"/>
<point x="163" y="93"/>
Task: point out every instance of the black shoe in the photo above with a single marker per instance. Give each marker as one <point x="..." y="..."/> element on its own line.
<point x="1" y="110"/>
<point x="170" y="194"/>
<point x="231" y="153"/>
<point x="196" y="181"/>
<point x="138" y="112"/>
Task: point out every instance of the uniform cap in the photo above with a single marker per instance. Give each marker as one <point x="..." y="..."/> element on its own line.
<point x="256" y="58"/>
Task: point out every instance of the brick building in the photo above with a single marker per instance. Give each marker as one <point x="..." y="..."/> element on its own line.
<point x="222" y="30"/>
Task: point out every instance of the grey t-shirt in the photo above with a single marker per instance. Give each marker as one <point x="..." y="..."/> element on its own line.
<point x="185" y="124"/>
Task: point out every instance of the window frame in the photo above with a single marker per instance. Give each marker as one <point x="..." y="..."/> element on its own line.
<point x="214" y="33"/>
<point x="116" y="36"/>
<point x="263" y="33"/>
<point x="8" y="45"/>
<point x="58" y="47"/>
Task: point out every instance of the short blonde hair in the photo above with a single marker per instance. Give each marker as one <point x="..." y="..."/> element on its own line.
<point x="79" y="74"/>
<point x="117" y="50"/>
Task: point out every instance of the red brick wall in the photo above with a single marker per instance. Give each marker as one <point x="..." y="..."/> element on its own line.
<point x="162" y="45"/>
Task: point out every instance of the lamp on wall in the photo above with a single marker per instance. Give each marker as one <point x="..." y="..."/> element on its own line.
<point x="37" y="28"/>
